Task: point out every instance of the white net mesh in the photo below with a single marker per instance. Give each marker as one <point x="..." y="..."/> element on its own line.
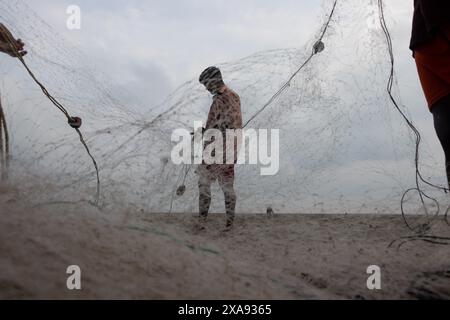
<point x="343" y="147"/>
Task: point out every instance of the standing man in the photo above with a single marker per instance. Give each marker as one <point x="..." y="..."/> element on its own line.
<point x="430" y="43"/>
<point x="225" y="114"/>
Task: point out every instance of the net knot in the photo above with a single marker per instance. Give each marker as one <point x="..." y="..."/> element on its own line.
<point x="319" y="46"/>
<point x="75" y="122"/>
<point x="181" y="190"/>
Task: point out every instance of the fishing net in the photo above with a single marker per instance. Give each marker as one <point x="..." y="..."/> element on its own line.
<point x="344" y="147"/>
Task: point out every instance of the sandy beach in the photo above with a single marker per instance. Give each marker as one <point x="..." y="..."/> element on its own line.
<point x="131" y="255"/>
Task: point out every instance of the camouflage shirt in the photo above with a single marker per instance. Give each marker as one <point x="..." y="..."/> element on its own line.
<point x="225" y="113"/>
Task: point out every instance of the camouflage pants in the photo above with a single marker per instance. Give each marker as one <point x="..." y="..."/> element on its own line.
<point x="224" y="174"/>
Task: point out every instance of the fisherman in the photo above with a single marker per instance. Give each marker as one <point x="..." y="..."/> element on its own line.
<point x="225" y="114"/>
<point x="430" y="43"/>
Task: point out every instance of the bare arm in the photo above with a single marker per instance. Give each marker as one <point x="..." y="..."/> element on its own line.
<point x="211" y="122"/>
<point x="9" y="44"/>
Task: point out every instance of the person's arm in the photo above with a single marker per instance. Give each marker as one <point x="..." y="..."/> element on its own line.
<point x="436" y="14"/>
<point x="210" y="123"/>
<point x="10" y="45"/>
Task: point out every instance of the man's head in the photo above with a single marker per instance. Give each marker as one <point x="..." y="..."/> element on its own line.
<point x="211" y="78"/>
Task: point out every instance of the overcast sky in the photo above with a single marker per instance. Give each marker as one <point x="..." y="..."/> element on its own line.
<point x="151" y="47"/>
<point x="171" y="41"/>
<point x="161" y="44"/>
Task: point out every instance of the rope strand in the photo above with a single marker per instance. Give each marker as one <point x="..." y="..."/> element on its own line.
<point x="58" y="105"/>
<point x="294" y="75"/>
<point x="4" y="145"/>
<point x="418" y="138"/>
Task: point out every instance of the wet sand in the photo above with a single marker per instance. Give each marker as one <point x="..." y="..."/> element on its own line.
<point x="131" y="255"/>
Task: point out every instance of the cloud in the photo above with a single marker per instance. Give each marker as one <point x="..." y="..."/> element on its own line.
<point x="179" y="38"/>
<point x="148" y="48"/>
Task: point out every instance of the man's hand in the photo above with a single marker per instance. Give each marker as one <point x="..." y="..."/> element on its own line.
<point x="10" y="45"/>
